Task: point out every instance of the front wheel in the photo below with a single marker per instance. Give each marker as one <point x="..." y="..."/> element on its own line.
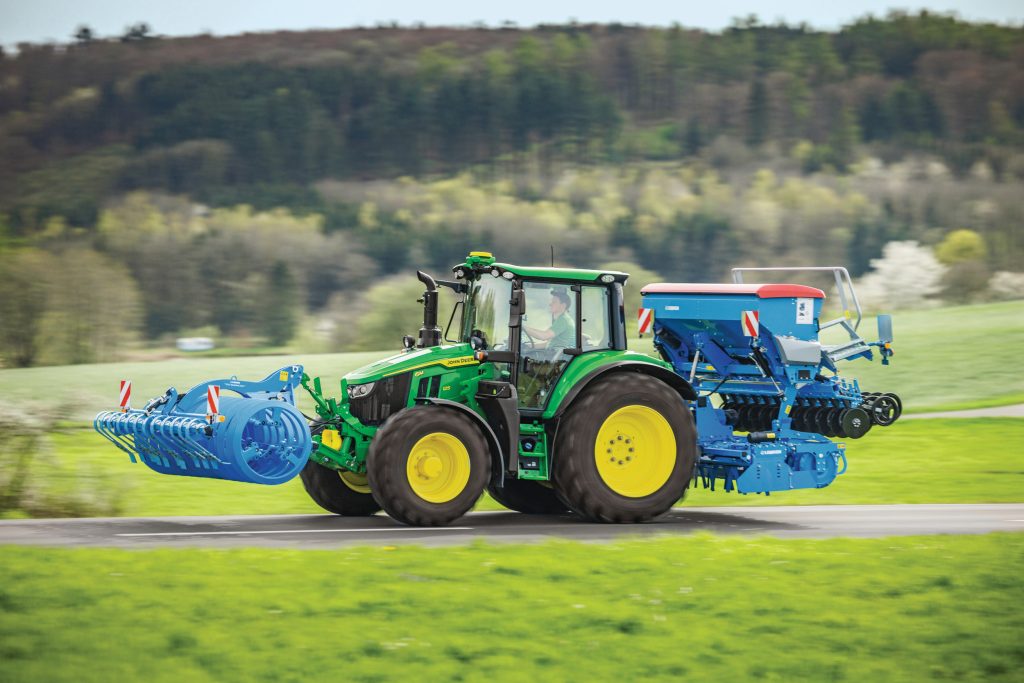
<point x="626" y="449"/>
<point x="341" y="492"/>
<point x="428" y="465"/>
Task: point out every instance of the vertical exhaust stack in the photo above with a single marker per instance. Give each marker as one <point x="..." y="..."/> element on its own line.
<point x="430" y="333"/>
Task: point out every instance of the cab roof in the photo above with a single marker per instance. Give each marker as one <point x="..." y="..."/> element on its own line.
<point x="575" y="274"/>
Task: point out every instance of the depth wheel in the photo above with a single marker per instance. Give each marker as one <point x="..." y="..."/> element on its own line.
<point x="341" y="492"/>
<point x="528" y="497"/>
<point x="625" y="451"/>
<point x="428" y="465"/>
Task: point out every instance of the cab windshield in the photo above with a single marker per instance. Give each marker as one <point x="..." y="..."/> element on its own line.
<point x="486" y="312"/>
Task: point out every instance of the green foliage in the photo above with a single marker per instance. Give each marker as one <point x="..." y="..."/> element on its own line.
<point x="894" y="609"/>
<point x="209" y="116"/>
<point x="391" y="309"/>
<point x="961" y="245"/>
<point x="965" y="252"/>
<point x="37" y="480"/>
<point x="23" y="301"/>
<point x="280" y="305"/>
<point x="74" y="306"/>
<point x="93" y="310"/>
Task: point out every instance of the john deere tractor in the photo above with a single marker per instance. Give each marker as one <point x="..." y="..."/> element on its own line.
<point x="531" y="394"/>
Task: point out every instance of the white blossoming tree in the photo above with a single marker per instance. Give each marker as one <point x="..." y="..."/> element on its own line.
<point x="906" y="276"/>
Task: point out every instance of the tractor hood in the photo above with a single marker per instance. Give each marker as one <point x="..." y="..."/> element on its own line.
<point x="454" y="356"/>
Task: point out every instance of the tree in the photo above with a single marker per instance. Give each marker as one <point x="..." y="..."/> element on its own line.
<point x="907" y="276"/>
<point x="757" y="114"/>
<point x="964" y="252"/>
<point x="960" y="246"/>
<point x="281" y="305"/>
<point x="23" y="299"/>
<point x="136" y="32"/>
<point x="93" y="309"/>
<point x="84" y="35"/>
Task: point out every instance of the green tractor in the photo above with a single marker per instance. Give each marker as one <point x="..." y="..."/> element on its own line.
<point x="530" y="393"/>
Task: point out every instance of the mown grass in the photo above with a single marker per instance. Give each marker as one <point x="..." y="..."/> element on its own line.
<point x="922" y="461"/>
<point x="951" y="358"/>
<point x="698" y="609"/>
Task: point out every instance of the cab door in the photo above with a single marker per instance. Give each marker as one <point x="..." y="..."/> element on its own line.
<point x="559" y="322"/>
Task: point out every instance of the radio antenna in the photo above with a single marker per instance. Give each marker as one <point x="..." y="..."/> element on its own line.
<point x="552" y="256"/>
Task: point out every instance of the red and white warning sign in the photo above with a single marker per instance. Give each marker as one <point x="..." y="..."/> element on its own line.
<point x="126" y="395"/>
<point x="749" y="323"/>
<point x="645" y="320"/>
<point x="213" y="399"/>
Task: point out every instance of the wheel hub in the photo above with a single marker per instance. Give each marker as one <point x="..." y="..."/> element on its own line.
<point x="635" y="451"/>
<point x="429" y="466"/>
<point x="438" y="467"/>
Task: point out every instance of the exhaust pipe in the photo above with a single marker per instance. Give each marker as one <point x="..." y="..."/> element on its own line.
<point x="430" y="333"/>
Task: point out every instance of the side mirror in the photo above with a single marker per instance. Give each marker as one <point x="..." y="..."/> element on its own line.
<point x="885" y="329"/>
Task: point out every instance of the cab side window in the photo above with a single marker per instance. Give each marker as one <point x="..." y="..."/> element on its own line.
<point x="595" y="307"/>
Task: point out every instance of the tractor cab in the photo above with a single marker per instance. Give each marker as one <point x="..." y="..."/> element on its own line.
<point x="534" y="322"/>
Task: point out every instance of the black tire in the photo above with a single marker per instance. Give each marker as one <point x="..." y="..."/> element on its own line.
<point x="328" y="490"/>
<point x="528" y="497"/>
<point x="388" y="459"/>
<point x="576" y="475"/>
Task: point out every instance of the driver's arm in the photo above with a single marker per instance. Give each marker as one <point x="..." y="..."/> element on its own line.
<point x="543" y="335"/>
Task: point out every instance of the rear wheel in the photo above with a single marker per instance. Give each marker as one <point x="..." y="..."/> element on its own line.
<point x="529" y="497"/>
<point x="341" y="492"/>
<point x="626" y="450"/>
<point x="428" y="465"/>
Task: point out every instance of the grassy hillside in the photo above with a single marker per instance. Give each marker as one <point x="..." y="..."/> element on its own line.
<point x="958" y="357"/>
<point x="947" y="357"/>
<point x="695" y="609"/>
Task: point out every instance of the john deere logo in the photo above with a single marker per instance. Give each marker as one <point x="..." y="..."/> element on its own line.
<point x="456" y="362"/>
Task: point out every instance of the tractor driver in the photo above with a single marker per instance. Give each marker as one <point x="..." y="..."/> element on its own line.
<point x="562" y="332"/>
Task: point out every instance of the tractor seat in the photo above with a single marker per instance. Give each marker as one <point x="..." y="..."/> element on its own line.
<point x="770" y="291"/>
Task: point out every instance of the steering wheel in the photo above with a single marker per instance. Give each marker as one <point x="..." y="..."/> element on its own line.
<point x="530" y="341"/>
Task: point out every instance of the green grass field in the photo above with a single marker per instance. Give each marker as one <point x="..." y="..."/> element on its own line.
<point x="920" y="461"/>
<point x="965" y="356"/>
<point x="697" y="609"/>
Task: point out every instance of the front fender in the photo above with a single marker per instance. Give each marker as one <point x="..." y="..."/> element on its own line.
<point x="497" y="458"/>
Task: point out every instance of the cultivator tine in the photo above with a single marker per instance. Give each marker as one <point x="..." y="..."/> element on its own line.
<point x="106" y="424"/>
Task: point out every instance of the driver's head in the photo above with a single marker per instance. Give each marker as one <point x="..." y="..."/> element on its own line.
<point x="559" y="302"/>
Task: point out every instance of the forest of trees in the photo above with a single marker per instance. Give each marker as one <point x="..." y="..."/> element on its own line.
<point x="314" y="166"/>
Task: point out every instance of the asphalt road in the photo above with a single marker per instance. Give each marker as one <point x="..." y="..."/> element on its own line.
<point x="329" y="531"/>
<point x="999" y="411"/>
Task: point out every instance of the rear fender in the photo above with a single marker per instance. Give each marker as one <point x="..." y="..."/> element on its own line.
<point x="681" y="386"/>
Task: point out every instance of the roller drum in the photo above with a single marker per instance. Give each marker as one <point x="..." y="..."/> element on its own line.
<point x="260" y="441"/>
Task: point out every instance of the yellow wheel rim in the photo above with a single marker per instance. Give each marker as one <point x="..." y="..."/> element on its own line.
<point x="635" y="451"/>
<point x="356" y="482"/>
<point x="438" y="467"/>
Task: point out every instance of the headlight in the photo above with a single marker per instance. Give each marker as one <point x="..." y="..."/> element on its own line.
<point x="359" y="390"/>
